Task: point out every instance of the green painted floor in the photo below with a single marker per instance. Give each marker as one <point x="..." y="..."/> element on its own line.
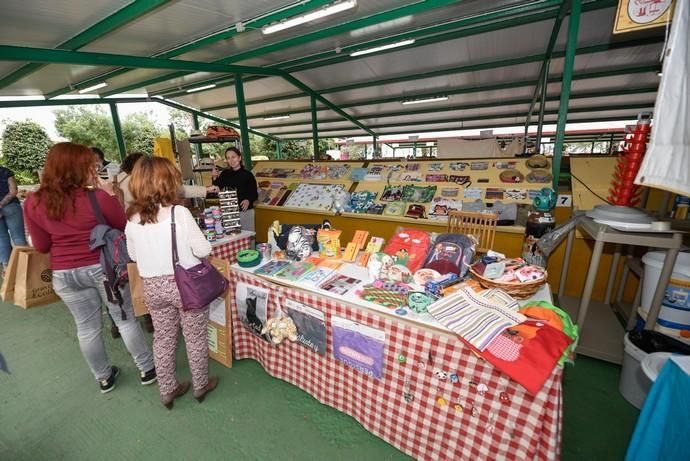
<point x="51" y="409"/>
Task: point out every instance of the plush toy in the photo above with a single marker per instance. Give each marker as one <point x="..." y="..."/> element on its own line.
<point x="279" y="328"/>
<point x="341" y="199"/>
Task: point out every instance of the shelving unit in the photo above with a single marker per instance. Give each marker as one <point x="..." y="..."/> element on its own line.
<point x="277" y="178"/>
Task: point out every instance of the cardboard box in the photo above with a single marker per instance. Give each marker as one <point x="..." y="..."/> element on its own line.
<point x="219" y="325"/>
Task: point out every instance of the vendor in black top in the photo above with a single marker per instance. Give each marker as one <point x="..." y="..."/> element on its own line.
<point x="236" y="177"/>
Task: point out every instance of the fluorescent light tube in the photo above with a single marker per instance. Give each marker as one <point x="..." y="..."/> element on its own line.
<point x="421" y="101"/>
<point x="199" y="88"/>
<point x="94" y="87"/>
<point x="276" y="117"/>
<point x="308" y="17"/>
<point x="383" y="47"/>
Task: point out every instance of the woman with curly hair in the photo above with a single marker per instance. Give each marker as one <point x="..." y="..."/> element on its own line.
<point x="155" y="185"/>
<point x="60" y="218"/>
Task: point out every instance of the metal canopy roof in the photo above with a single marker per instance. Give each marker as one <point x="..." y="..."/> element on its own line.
<point x="485" y="56"/>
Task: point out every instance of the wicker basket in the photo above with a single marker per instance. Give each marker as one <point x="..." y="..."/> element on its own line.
<point x="517" y="290"/>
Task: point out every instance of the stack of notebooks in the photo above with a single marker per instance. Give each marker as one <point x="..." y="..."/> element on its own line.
<point x="315" y="271"/>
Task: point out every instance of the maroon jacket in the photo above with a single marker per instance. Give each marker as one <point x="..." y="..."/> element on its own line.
<point x="67" y="240"/>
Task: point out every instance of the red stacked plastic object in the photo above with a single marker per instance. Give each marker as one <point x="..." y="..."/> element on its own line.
<point x="623" y="191"/>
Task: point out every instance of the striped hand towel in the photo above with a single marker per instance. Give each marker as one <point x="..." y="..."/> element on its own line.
<point x="474" y="317"/>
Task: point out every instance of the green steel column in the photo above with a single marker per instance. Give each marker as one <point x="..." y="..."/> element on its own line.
<point x="375" y="146"/>
<point x="314" y="128"/>
<point x="279" y="150"/>
<point x="195" y="124"/>
<point x="118" y="131"/>
<point x="414" y="150"/>
<point x="573" y="27"/>
<point x="542" y="106"/>
<point x="242" y="114"/>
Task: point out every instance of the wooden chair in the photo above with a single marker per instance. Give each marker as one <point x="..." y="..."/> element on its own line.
<point x="481" y="225"/>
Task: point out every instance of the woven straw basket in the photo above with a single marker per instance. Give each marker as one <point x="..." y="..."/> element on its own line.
<point x="517" y="290"/>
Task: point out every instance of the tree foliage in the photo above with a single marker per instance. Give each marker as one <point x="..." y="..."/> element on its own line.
<point x="24" y="148"/>
<point x="93" y="126"/>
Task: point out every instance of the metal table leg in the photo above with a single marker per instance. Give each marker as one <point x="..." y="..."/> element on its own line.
<point x="589" y="282"/>
<point x="632" y="320"/>
<point x="624" y="275"/>
<point x="612" y="274"/>
<point x="566" y="262"/>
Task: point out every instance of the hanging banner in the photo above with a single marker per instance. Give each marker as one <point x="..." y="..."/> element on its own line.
<point x="311" y="325"/>
<point x="252" y="307"/>
<point x="634" y="15"/>
<point x="358" y="346"/>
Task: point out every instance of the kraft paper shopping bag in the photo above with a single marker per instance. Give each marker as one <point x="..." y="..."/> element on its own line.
<point x="33" y="284"/>
<point x="136" y="289"/>
<point x="7" y="290"/>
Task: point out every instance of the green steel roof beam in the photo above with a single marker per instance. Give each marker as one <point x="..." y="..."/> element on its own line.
<point x="455" y="24"/>
<point x="417" y="7"/>
<point x="227" y="33"/>
<point x="501" y="103"/>
<point x="325" y="102"/>
<point x="211" y="117"/>
<point x="503" y="86"/>
<point x="544" y="69"/>
<point x="344" y="56"/>
<point x="102" y="101"/>
<point x="460" y="120"/>
<point x="475" y="89"/>
<point x="478" y="127"/>
<point x="585" y="95"/>
<point x="19" y="53"/>
<point x="541" y="14"/>
<point x="123" y="16"/>
<point x="592" y="94"/>
<point x="442" y="72"/>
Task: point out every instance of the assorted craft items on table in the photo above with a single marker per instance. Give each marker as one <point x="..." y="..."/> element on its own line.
<point x="430" y="278"/>
<point x="421" y="190"/>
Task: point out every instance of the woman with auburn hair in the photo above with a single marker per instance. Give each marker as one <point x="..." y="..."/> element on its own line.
<point x="60" y="218"/>
<point x="154" y="185"/>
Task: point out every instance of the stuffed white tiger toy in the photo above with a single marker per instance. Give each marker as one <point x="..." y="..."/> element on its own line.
<point x="299" y="243"/>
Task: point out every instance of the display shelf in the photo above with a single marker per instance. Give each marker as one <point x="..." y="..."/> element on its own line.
<point x="278" y="178"/>
<point x="603" y="337"/>
<point x="297" y="209"/>
<point x="301" y="186"/>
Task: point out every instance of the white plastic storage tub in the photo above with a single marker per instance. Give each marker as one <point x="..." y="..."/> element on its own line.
<point x="634" y="384"/>
<point x="674" y="316"/>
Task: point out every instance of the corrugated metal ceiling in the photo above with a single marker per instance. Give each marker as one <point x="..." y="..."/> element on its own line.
<point x="450" y="35"/>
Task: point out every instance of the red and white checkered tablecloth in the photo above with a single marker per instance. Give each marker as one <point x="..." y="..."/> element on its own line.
<point x="502" y="422"/>
<point x="229" y="250"/>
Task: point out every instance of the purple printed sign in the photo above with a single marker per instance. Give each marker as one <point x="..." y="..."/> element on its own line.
<point x="358" y="346"/>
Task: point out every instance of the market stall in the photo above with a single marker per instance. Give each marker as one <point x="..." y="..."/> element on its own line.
<point x="367" y="343"/>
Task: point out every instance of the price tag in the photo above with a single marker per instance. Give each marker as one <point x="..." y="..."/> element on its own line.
<point x="564" y="200"/>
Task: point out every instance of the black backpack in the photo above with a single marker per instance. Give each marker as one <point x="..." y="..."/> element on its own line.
<point x="113" y="255"/>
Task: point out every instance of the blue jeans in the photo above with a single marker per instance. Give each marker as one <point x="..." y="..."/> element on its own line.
<point x="82" y="290"/>
<point x="11" y="225"/>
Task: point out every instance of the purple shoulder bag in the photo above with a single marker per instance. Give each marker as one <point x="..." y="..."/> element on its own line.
<point x="198" y="285"/>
